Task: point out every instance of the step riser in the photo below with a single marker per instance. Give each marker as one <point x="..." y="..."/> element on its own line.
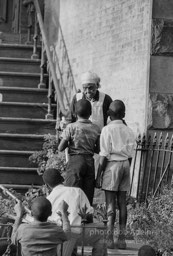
<point x="24" y="144"/>
<point x="16" y="53"/>
<point x="26" y="127"/>
<point x="29" y="78"/>
<point x="27" y="97"/>
<point x="15" y="160"/>
<point x="20" y="178"/>
<point x="13" y="38"/>
<point x="24" y="82"/>
<point x="19" y="67"/>
<point x="23" y="111"/>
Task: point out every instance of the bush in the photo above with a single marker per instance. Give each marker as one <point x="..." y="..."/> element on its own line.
<point x="152" y="223"/>
<point x="48" y="156"/>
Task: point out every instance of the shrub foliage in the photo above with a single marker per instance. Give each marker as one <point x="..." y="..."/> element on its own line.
<point x="152" y="222"/>
<point x="48" y="156"/>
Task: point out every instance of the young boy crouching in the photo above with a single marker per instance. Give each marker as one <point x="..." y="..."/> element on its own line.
<point x="40" y="237"/>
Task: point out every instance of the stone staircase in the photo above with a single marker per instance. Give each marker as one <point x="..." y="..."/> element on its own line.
<point x="131" y="250"/>
<point x="23" y="107"/>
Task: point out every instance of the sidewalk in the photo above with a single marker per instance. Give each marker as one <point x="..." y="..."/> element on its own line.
<point x="132" y="250"/>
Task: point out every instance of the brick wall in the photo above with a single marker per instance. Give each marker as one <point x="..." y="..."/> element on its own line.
<point x="112" y="38"/>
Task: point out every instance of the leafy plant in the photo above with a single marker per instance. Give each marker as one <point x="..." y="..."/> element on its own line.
<point x="6" y="209"/>
<point x="100" y="212"/>
<point x="48" y="156"/>
<point x="33" y="193"/>
<point x="152" y="223"/>
<point x="84" y="214"/>
<point x="7" y="203"/>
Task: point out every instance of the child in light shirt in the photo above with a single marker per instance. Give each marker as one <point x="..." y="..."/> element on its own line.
<point x="116" y="147"/>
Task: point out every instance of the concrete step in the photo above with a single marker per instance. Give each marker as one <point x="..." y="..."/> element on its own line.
<point x="21" y="79"/>
<point x="23" y="110"/>
<point x="25" y="142"/>
<point x="19" y="65"/>
<point x="16" y="158"/>
<point x="20" y="176"/>
<point x="17" y="50"/>
<point x="131" y="250"/>
<point x="27" y="126"/>
<point x="27" y="95"/>
<point x="14" y="38"/>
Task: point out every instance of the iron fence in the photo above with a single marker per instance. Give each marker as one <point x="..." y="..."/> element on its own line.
<point x="152" y="164"/>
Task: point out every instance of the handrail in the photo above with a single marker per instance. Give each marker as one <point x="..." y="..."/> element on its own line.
<point x="62" y="37"/>
<point x="47" y="48"/>
<point x="60" y="73"/>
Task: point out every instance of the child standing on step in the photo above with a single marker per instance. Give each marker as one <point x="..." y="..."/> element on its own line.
<point x="116" y="147"/>
<point x="82" y="139"/>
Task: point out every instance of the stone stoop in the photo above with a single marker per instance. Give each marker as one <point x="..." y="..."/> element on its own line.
<point x="23" y="108"/>
<point x="132" y="250"/>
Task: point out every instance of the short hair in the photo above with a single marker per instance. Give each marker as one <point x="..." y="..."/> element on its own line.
<point x="52" y="177"/>
<point x="117" y="108"/>
<point x="41" y="208"/>
<point x="83" y="108"/>
<point x="146" y="250"/>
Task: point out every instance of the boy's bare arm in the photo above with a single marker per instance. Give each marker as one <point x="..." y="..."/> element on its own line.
<point x="101" y="169"/>
<point x="63" y="210"/>
<point x="63" y="145"/>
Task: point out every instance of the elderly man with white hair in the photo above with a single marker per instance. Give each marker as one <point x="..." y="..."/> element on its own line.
<point x="99" y="101"/>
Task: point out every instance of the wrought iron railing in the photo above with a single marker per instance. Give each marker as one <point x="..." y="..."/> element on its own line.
<point x="61" y="85"/>
<point x="153" y="159"/>
<point x="63" y="64"/>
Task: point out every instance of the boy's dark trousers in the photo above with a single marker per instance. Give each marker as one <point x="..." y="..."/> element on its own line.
<point x="81" y="173"/>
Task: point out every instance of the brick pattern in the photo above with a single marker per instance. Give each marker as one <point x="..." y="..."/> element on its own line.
<point x="111" y="37"/>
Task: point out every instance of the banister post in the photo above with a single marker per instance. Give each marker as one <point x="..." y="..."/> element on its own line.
<point x="42" y="84"/>
<point x="29" y="11"/>
<point x="35" y="38"/>
<point x="49" y="110"/>
<point x="52" y="68"/>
